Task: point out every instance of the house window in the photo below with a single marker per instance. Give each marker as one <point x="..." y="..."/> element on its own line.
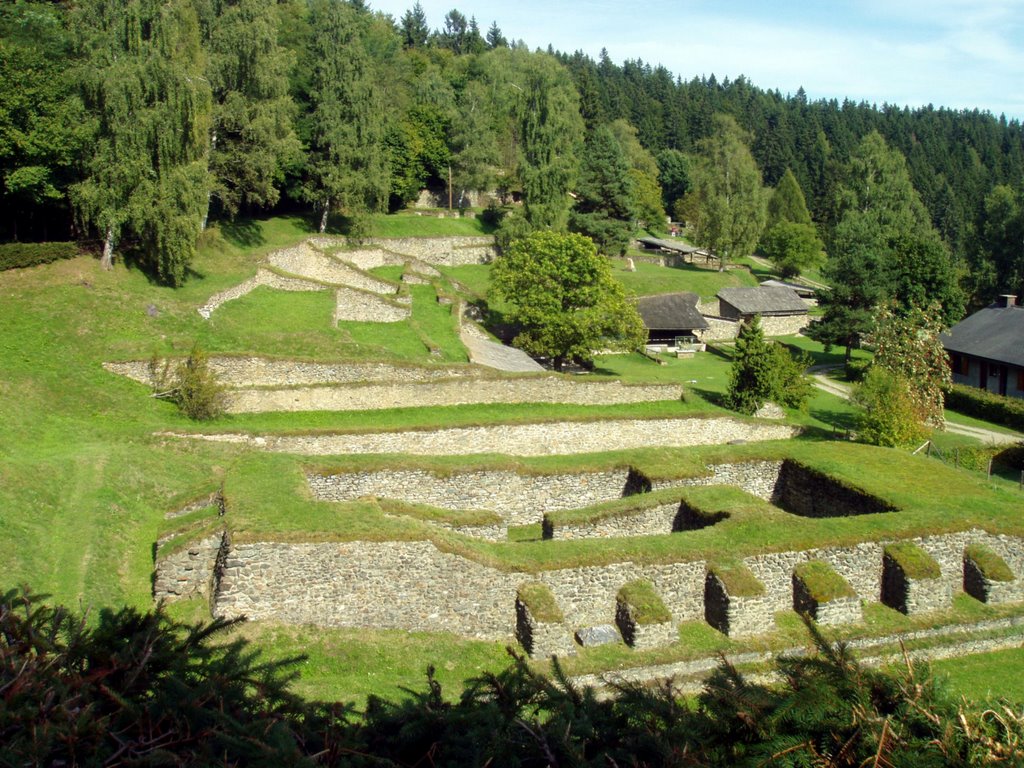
<point x="961" y="365"/>
<point x="1020" y="381"/>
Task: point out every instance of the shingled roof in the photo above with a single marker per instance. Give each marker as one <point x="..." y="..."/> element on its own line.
<point x="671" y="311"/>
<point x="994" y="333"/>
<point x="763" y="301"/>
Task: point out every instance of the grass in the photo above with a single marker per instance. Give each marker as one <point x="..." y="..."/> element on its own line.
<point x="984" y="677"/>
<point x="647" y="606"/>
<point x="914" y="561"/>
<point x="649" y="279"/>
<point x="738" y="580"/>
<point x="822" y="582"/>
<point x="991" y="565"/>
<point x="541" y="602"/>
<point x="85" y="483"/>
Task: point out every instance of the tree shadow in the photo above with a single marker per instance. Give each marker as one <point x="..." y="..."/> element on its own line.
<point x="842" y="421"/>
<point x="245" y="233"/>
<point x="710" y="396"/>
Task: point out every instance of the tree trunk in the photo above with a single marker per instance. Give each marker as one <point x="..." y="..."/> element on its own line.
<point x="107" y="260"/>
<point x="209" y="194"/>
<point x="324" y="215"/>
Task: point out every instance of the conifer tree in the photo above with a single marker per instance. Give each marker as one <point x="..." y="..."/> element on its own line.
<point x="415" y="31"/>
<point x="604" y="208"/>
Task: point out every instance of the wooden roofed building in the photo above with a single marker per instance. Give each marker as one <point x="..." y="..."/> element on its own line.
<point x="986" y="349"/>
<point x="671" y="316"/>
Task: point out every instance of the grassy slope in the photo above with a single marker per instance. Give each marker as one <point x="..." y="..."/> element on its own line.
<point x="84" y="484"/>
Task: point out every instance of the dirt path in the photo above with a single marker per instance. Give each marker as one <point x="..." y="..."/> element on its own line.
<point x="839" y="389"/>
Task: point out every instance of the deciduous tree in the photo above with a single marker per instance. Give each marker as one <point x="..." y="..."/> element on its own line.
<point x="347" y="168"/>
<point x="564" y="299"/>
<point x="145" y="82"/>
<point x="730" y="199"/>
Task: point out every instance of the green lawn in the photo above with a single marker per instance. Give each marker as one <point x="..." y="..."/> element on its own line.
<point x="650" y="279"/>
<point x="85" y="482"/>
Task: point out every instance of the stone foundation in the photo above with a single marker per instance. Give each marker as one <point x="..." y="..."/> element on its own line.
<point x="809" y="493"/>
<point x="643" y="636"/>
<point x="978" y="586"/>
<point x="416" y="586"/>
<point x="188" y="572"/>
<point x="546" y="439"/>
<point x="913" y="596"/>
<point x="542" y="640"/>
<point x="733" y="615"/>
<point x="443" y="393"/>
<point x="838" y="610"/>
<point x="353" y="305"/>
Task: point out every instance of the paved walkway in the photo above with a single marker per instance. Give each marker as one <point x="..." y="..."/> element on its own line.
<point x="839" y="389"/>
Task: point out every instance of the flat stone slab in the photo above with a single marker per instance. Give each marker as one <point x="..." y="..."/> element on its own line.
<point x="602" y="634"/>
<point x="493" y="355"/>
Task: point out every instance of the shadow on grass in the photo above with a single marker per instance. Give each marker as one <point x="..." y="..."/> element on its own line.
<point x="244" y="233"/>
<point x="842" y="421"/>
<point x="710" y="396"/>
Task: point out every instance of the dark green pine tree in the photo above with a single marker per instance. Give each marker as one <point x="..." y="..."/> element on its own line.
<point x="414" y="29"/>
<point x="787" y="202"/>
<point x="751" y="377"/>
<point x="494" y="37"/>
<point x="604" y="194"/>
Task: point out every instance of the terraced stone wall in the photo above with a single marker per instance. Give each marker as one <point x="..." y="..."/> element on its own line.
<point x="414" y="585"/>
<point x="265" y="372"/>
<point x="520" y="499"/>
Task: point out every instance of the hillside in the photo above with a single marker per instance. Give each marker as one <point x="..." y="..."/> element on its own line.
<point x="92" y="465"/>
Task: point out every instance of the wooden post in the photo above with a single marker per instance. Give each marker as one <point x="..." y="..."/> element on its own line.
<point x="989" y="467"/>
<point x="449" y="187"/>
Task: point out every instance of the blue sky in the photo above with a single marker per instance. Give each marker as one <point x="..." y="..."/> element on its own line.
<point x="953" y="53"/>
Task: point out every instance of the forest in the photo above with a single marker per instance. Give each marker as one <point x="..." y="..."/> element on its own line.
<point x="128" y="126"/>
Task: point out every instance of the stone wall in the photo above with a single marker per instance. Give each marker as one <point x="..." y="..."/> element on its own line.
<point x="353" y="305"/>
<point x="733" y="615"/>
<point x="719" y="329"/>
<point x="839" y="610"/>
<point x="262" y="277"/>
<point x="809" y="493"/>
<point x="189" y="571"/>
<point x="305" y="261"/>
<point x="913" y="596"/>
<point x="416" y="586"/>
<point x="436" y="251"/>
<point x="550" y="438"/>
<point x="643" y="636"/>
<point x="542" y="640"/>
<point x="519" y="499"/>
<point x="439" y="393"/>
<point x="978" y="586"/>
<point x="648" y="522"/>
<point x="266" y="372"/>
<point x="784" y="326"/>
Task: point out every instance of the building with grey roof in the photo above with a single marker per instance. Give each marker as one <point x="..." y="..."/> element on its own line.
<point x="671" y="315"/>
<point x="744" y="303"/>
<point x="986" y="350"/>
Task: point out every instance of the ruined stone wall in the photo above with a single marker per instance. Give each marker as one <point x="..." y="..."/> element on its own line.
<point x="352" y="305"/>
<point x="265" y="372"/>
<point x="437" y="251"/>
<point x="188" y="572"/>
<point x="550" y="438"/>
<point x="440" y="393"/>
<point x="262" y="277"/>
<point x="809" y="493"/>
<point x="310" y="263"/>
<point x="784" y="326"/>
<point x="520" y="499"/>
<point x="414" y="585"/>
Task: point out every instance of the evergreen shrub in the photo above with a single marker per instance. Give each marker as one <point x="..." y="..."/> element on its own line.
<point x="18" y="255"/>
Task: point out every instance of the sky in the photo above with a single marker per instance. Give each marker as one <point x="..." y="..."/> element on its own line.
<point x="962" y="54"/>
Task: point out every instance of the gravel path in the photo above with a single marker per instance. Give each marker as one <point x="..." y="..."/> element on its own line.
<point x="821" y="381"/>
